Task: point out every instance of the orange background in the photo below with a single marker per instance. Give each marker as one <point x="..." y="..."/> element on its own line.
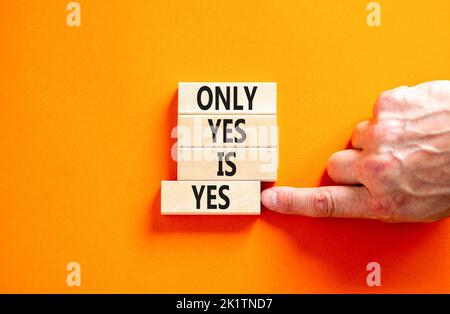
<point x="85" y="121"/>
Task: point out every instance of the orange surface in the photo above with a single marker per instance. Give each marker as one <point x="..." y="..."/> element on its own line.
<point x="85" y="120"/>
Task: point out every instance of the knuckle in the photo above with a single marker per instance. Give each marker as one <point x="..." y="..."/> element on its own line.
<point x="322" y="203"/>
<point x="383" y="102"/>
<point x="382" y="209"/>
<point x="375" y="167"/>
<point x="399" y="93"/>
<point x="388" y="99"/>
<point x="377" y="132"/>
<point x="439" y="89"/>
<point x="386" y="131"/>
<point x="369" y="165"/>
<point x="288" y="202"/>
<point x="386" y="96"/>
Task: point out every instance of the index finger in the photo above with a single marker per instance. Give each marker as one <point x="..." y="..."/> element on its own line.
<point x="327" y="201"/>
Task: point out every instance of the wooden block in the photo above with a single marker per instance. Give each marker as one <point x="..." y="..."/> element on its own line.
<point x="227" y="98"/>
<point x="227" y="131"/>
<point x="210" y="198"/>
<point x="227" y="164"/>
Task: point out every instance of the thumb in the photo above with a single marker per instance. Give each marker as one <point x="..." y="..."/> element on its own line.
<point x="329" y="201"/>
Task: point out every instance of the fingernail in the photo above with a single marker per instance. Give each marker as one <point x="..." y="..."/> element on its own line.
<point x="270" y="198"/>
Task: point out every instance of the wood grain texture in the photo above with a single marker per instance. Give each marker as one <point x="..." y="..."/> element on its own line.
<point x="259" y="164"/>
<point x="264" y="100"/>
<point x="240" y="198"/>
<point x="227" y="131"/>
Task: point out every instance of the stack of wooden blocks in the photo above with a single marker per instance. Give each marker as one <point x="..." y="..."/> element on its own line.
<point x="227" y="145"/>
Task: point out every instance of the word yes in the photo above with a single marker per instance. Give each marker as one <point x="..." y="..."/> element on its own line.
<point x="211" y="196"/>
<point x="215" y="127"/>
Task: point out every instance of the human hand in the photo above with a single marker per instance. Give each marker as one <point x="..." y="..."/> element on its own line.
<point x="399" y="169"/>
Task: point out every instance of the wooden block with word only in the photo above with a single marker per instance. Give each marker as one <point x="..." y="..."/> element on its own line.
<point x="227" y="131"/>
<point x="227" y="98"/>
<point x="259" y="164"/>
<point x="210" y="198"/>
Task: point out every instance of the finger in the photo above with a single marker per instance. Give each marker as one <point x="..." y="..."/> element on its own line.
<point x="343" y="166"/>
<point x="358" y="140"/>
<point x="392" y="103"/>
<point x="329" y="201"/>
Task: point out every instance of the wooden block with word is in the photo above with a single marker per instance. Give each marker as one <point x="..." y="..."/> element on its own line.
<point x="227" y="131"/>
<point x="210" y="198"/>
<point x="227" y="98"/>
<point x="227" y="164"/>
